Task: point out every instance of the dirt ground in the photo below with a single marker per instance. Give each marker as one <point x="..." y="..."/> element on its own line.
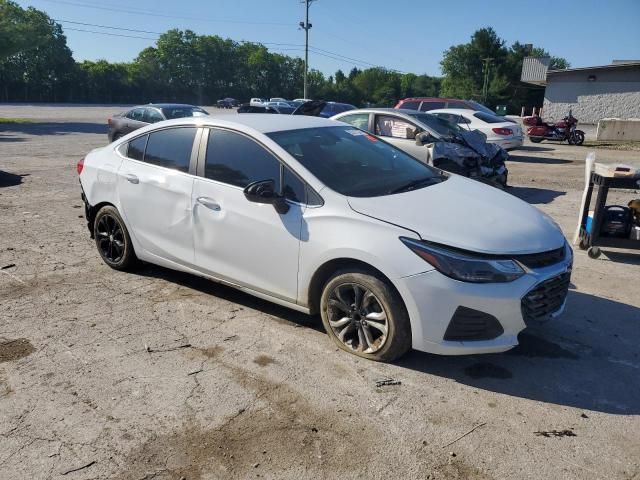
<point x="160" y="375"/>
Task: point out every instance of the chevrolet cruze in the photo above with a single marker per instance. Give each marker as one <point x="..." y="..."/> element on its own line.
<point x="324" y="218"/>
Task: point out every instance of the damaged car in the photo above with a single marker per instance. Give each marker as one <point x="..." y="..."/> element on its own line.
<point x="434" y="141"/>
<point x="327" y="219"/>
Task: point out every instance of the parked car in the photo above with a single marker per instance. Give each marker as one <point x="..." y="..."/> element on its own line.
<point x="278" y="99"/>
<point x="257" y="102"/>
<point x="223" y="104"/>
<point x="324" y="218"/>
<point x="301" y="100"/>
<point x="266" y="108"/>
<point x="504" y="133"/>
<point x="434" y="141"/>
<point x="426" y="104"/>
<point x="333" y="108"/>
<point x="123" y="123"/>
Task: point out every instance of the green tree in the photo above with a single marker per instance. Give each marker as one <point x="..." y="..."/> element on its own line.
<point x="19" y="29"/>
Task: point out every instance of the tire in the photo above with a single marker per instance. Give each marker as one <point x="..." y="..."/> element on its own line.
<point x="535" y="139"/>
<point x="379" y="304"/>
<point x="113" y="240"/>
<point x="583" y="245"/>
<point x="594" y="252"/>
<point x="578" y="138"/>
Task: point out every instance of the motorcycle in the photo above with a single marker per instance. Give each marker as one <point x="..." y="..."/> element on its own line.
<point x="559" y="131"/>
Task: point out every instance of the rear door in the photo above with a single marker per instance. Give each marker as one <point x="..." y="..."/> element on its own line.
<point x="155" y="182"/>
<point x="246" y="243"/>
<point x="133" y="120"/>
<point x="400" y="132"/>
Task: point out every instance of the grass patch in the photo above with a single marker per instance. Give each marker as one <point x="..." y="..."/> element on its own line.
<point x="631" y="146"/>
<point x="14" y="120"/>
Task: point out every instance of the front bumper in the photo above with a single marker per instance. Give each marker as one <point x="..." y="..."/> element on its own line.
<point x="432" y="300"/>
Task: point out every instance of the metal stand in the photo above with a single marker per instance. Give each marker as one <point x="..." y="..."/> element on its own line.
<point x="591" y="241"/>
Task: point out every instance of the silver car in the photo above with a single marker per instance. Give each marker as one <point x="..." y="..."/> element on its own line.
<point x="434" y="141"/>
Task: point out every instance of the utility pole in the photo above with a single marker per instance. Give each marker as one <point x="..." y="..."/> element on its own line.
<point x="485" y="85"/>
<point x="306" y="26"/>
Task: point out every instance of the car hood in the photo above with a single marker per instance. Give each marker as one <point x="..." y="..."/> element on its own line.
<point x="466" y="214"/>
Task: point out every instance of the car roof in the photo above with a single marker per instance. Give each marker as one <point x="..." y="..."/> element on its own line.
<point x="260" y="122"/>
<point x="167" y="105"/>
<point x="457" y="111"/>
<point x="399" y="111"/>
<point x="429" y="99"/>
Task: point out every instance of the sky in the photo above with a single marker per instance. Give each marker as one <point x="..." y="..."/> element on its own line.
<point x="404" y="35"/>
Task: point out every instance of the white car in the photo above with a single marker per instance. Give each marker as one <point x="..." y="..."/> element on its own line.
<point x="324" y="218"/>
<point x="504" y="133"/>
<point x="278" y="99"/>
<point x="257" y="102"/>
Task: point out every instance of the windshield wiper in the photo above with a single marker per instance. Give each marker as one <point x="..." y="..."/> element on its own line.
<point x="421" y="182"/>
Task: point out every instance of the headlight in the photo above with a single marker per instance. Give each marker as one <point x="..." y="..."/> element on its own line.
<point x="467" y="267"/>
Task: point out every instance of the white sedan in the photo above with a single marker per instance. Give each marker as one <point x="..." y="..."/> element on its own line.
<point x="324" y="218"/>
<point x="504" y="133"/>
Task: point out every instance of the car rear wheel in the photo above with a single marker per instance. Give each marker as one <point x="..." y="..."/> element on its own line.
<point x="113" y="240"/>
<point x="364" y="315"/>
<point x="536" y="139"/>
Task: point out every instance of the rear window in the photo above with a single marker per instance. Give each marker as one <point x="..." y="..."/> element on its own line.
<point x="485" y="117"/>
<point x="426" y="106"/>
<point x="480" y="107"/>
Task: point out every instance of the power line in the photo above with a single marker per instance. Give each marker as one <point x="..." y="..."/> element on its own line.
<point x="105" y="26"/>
<point x="318" y="51"/>
<point x="161" y="15"/>
<point x="109" y="33"/>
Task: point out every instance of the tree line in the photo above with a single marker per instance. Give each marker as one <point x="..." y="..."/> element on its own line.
<point x="36" y="65"/>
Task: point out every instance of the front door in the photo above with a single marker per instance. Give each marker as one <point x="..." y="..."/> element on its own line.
<point x="155" y="186"/>
<point x="400" y="133"/>
<point x="246" y="243"/>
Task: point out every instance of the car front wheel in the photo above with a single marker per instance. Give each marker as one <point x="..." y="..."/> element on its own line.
<point x="113" y="240"/>
<point x="364" y="315"/>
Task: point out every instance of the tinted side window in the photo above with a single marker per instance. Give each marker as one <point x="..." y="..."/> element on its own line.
<point x="294" y="188"/>
<point x="237" y="160"/>
<point x="136" y="114"/>
<point x="171" y="148"/>
<point x="393" y="127"/>
<point x="136" y="147"/>
<point x="152" y="116"/>
<point x="426" y="106"/>
<point x="410" y="105"/>
<point x="457" y="105"/>
<point x="358" y="120"/>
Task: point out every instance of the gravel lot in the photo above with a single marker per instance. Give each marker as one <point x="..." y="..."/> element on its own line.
<point x="162" y="375"/>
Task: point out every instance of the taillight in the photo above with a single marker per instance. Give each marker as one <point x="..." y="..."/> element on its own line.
<point x="503" y="131"/>
<point x="80" y="166"/>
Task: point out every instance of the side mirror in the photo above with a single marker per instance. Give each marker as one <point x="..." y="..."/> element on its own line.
<point x="411" y="133"/>
<point x="264" y="191"/>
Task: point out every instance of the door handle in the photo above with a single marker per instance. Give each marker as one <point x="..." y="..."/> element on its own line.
<point x="131" y="178"/>
<point x="209" y="203"/>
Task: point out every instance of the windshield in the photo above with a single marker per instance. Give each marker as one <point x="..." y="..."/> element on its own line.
<point x="354" y="163"/>
<point x="480" y="107"/>
<point x="181" y="112"/>
<point x="437" y="124"/>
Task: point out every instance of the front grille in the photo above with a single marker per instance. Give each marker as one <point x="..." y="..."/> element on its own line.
<point x="545" y="298"/>
<point x="469" y="324"/>
<point x="544" y="259"/>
